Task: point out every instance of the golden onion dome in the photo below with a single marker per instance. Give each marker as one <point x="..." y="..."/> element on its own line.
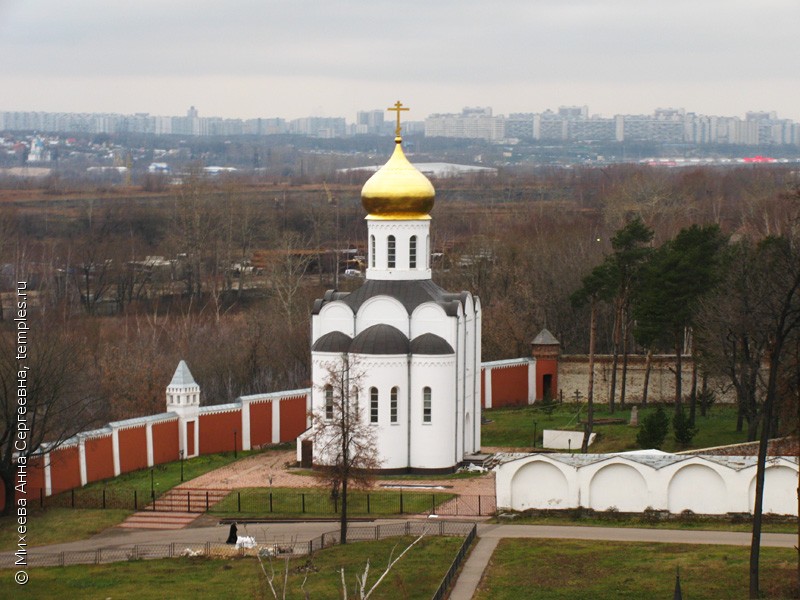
<point x="398" y="190"/>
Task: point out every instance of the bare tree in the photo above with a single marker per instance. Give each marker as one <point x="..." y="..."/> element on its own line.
<point x="344" y="443"/>
<point x="49" y="384"/>
<point x="782" y="291"/>
<point x="361" y="582"/>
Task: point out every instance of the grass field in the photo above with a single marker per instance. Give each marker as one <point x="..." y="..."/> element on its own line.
<point x="56" y="525"/>
<point x="514" y="427"/>
<point x="569" y="569"/>
<point x="299" y="503"/>
<point x="416" y="576"/>
<point x="166" y="476"/>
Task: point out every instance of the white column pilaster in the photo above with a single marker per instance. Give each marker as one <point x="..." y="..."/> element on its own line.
<point x="115" y="450"/>
<point x="245" y="425"/>
<point x="487" y="385"/>
<point x="276" y="421"/>
<point x="149" y="439"/>
<point x="531" y="380"/>
<point x="82" y="460"/>
<point x="48" y="481"/>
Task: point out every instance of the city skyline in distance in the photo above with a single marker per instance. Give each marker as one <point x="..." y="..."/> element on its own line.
<point x="256" y="58"/>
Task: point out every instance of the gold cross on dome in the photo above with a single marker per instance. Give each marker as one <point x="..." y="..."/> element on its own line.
<point x="398" y="107"/>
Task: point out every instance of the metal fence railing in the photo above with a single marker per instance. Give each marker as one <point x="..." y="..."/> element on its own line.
<point x="449" y="577"/>
<point x="275" y="547"/>
<point x="272" y="503"/>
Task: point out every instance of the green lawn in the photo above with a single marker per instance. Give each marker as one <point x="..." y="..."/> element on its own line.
<point x="168" y="475"/>
<point x="307" y="502"/>
<point x="417" y="575"/>
<point x="569" y="569"/>
<point x="514" y="427"/>
<point x="55" y="525"/>
<point x="118" y="492"/>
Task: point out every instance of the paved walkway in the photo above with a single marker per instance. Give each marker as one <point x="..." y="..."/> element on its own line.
<point x="488" y="537"/>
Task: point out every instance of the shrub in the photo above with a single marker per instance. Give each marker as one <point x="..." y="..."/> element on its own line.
<point x="682" y="427"/>
<point x="687" y="516"/>
<point x="650" y="515"/>
<point x="653" y="430"/>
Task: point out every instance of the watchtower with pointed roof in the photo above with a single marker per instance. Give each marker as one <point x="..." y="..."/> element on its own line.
<point x="183" y="398"/>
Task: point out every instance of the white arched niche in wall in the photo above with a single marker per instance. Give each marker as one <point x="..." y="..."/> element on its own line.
<point x="620" y="486"/>
<point x="335" y="316"/>
<point x="697" y="488"/>
<point x="539" y="484"/>
<point x="779" y="483"/>
<point x="431" y="318"/>
<point x="381" y="310"/>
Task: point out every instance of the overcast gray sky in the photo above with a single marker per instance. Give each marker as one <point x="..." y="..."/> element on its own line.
<point x="294" y="58"/>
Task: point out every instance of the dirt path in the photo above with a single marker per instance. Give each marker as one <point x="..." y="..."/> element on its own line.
<point x="254" y="471"/>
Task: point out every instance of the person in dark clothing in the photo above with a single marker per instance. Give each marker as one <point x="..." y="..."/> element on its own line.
<point x="233" y="535"/>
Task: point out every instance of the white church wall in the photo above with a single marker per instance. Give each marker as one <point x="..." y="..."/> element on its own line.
<point x="382" y="310"/>
<point x="433" y="444"/>
<point x="460" y="384"/>
<point x="477" y="373"/>
<point x="384" y="373"/>
<point x="334" y="316"/>
<point x="662" y="482"/>
<point x="402" y="232"/>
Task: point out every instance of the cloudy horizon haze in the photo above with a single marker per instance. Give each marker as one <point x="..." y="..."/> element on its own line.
<point x="273" y="58"/>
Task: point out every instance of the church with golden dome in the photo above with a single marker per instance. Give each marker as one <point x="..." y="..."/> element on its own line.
<point x="412" y="349"/>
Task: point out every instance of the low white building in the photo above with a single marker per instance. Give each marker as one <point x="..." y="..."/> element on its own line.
<point x="635" y="481"/>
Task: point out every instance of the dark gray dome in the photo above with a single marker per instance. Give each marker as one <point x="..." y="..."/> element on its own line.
<point x="428" y="343"/>
<point x="335" y="341"/>
<point x="380" y="339"/>
<point x="409" y="293"/>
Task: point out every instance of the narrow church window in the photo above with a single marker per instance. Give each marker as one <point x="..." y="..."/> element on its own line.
<point x="329" y="402"/>
<point x="426" y="405"/>
<point x="390" y="252"/>
<point x="393" y="406"/>
<point x="372" y="251"/>
<point x="373" y="405"/>
<point x="412" y="252"/>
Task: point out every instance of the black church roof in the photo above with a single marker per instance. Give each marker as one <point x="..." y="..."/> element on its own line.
<point x="335" y="341"/>
<point x="410" y="293"/>
<point x="429" y="343"/>
<point x="380" y="339"/>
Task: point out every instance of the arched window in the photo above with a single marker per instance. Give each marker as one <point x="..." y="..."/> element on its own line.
<point x="373" y="405"/>
<point x="372" y="251"/>
<point x="412" y="252"/>
<point x="329" y="402"/>
<point x="390" y="252"/>
<point x="393" y="405"/>
<point x="426" y="405"/>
